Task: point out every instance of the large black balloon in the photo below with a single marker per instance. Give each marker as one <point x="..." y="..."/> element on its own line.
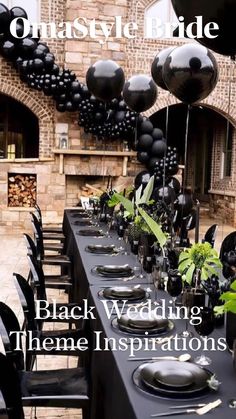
<point x="222" y="12"/>
<point x="140" y="93"/>
<point x="7" y="48"/>
<point x="166" y="193"/>
<point x="5" y="18"/>
<point x="105" y="80"/>
<point x="157" y="67"/>
<point x="142" y="178"/>
<point x="17" y="12"/>
<point x="146" y="127"/>
<point x="157" y="134"/>
<point x="190" y="72"/>
<point x="27" y="46"/>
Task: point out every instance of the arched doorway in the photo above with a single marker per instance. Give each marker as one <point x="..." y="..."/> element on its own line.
<point x="19" y="130"/>
<point x="209" y="147"/>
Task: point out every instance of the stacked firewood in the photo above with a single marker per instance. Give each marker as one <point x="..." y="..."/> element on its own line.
<point x="22" y="191"/>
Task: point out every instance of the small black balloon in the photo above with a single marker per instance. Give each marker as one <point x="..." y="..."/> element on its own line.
<point x="153" y="162"/>
<point x="167" y="194"/>
<point x="140" y="93"/>
<point x="105" y="80"/>
<point x="146" y="127"/>
<point x="27" y="46"/>
<point x="190" y="73"/>
<point x="174" y="184"/>
<point x="7" y="49"/>
<point x="145" y="142"/>
<point x="5" y="18"/>
<point x="159" y="148"/>
<point x="185" y="204"/>
<point x="43" y="46"/>
<point x="157" y="67"/>
<point x="143" y="157"/>
<point x="142" y="178"/>
<point x="157" y="134"/>
<point x="119" y="116"/>
<point x="17" y="12"/>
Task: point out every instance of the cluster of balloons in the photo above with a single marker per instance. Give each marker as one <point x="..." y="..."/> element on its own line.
<point x="151" y="143"/>
<point x="190" y="72"/>
<point x="167" y="166"/>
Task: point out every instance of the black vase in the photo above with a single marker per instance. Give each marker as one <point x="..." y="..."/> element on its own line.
<point x="230" y="329"/>
<point x="147" y="240"/>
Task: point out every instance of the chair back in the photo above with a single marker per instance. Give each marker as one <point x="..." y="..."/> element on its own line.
<point x="210" y="235"/>
<point x="38" y="234"/>
<point x="26" y="297"/>
<point x="31" y="248"/>
<point x="38" y="280"/>
<point x="10" y="392"/>
<point x="8" y="324"/>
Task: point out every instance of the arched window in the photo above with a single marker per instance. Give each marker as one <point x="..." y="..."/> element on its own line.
<point x="163" y="10"/>
<point x="32" y="7"/>
<point x="19" y="130"/>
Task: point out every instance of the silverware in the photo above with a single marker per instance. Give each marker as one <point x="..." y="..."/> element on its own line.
<point x="188" y="406"/>
<point x="201" y="411"/>
<point x="181" y="358"/>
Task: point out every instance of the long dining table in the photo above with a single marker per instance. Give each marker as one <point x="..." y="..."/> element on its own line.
<point x="114" y="390"/>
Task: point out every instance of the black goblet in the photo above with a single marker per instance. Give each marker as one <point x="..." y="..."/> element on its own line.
<point x="174" y="287"/>
<point x="205" y="328"/>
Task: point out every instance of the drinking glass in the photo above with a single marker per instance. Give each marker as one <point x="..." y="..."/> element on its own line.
<point x="141" y="255"/>
<point x="157" y="279"/>
<point x="174" y="287"/>
<point x="204" y="329"/>
<point x="126" y="240"/>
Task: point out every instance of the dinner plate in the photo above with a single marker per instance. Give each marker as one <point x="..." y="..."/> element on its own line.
<point x="138" y="295"/>
<point x="90" y="233"/>
<point x="99" y="249"/>
<point x="188" y="378"/>
<point x="80" y="215"/>
<point x="142" y="322"/>
<point x="83" y="222"/>
<point x="157" y="331"/>
<point x="113" y="271"/>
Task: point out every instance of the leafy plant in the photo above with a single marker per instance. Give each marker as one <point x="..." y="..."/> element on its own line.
<point x="229" y="299"/>
<point x="202" y="257"/>
<point x="132" y="208"/>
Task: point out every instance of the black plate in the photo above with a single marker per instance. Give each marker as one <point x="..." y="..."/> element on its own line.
<point x="129" y="293"/>
<point x="99" y="249"/>
<point x="83" y="222"/>
<point x="90" y="233"/>
<point x="80" y="215"/>
<point x="127" y="330"/>
<point x="199" y="377"/>
<point x="178" y="379"/>
<point x="142" y="323"/>
<point x="114" y="271"/>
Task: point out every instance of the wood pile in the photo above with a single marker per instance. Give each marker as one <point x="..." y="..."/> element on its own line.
<point x="22" y="190"/>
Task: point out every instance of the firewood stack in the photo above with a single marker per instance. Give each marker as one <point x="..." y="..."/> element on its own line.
<point x="22" y="191"/>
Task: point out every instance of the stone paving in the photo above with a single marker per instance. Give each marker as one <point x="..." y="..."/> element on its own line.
<point x="13" y="259"/>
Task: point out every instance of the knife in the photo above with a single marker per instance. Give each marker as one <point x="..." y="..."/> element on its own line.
<point x="200" y="411"/>
<point x="188" y="406"/>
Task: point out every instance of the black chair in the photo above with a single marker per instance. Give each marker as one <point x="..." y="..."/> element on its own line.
<point x="10" y="393"/>
<point x="65" y="388"/>
<point x="210" y="235"/>
<point x="46" y="229"/>
<point x="228" y="247"/>
<point x="35" y="326"/>
<point x="50" y="241"/>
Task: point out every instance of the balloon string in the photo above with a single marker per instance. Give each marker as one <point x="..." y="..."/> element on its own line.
<point x="232" y="63"/>
<point x="164" y="171"/>
<point x="186" y="150"/>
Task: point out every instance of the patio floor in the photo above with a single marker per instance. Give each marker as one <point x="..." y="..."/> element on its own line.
<point x="13" y="259"/>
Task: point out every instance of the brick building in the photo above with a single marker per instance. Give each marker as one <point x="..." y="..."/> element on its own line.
<point x="59" y="173"/>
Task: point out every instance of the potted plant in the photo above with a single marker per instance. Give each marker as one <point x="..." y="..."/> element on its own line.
<point x="198" y="263"/>
<point x="229" y="307"/>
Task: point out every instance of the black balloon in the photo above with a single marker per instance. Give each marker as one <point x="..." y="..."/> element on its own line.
<point x="27" y="46"/>
<point x="157" y="134"/>
<point x="167" y="194"/>
<point x="140" y="93"/>
<point x="17" y="12"/>
<point x="159" y="148"/>
<point x="157" y="67"/>
<point x="190" y="72"/>
<point x="5" y="18"/>
<point x="146" y="127"/>
<point x="142" y="178"/>
<point x="7" y="49"/>
<point x="153" y="162"/>
<point x="222" y="12"/>
<point x="175" y="184"/>
<point x="143" y="157"/>
<point x="105" y="80"/>
<point x="145" y="142"/>
<point x="185" y="204"/>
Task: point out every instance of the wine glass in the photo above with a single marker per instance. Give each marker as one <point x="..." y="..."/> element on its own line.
<point x="141" y="255"/>
<point x="157" y="279"/>
<point x="204" y="329"/>
<point x="174" y="287"/>
<point x="126" y="240"/>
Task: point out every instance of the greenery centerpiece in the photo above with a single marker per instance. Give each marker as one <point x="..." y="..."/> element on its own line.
<point x="199" y="259"/>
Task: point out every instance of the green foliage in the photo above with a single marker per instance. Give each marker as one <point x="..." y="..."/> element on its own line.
<point x="200" y="256"/>
<point x="229" y="299"/>
<point x="154" y="227"/>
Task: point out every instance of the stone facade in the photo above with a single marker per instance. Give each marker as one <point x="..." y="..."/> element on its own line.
<point x="135" y="56"/>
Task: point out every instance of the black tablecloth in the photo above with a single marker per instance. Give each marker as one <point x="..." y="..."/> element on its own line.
<point x="114" y="393"/>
